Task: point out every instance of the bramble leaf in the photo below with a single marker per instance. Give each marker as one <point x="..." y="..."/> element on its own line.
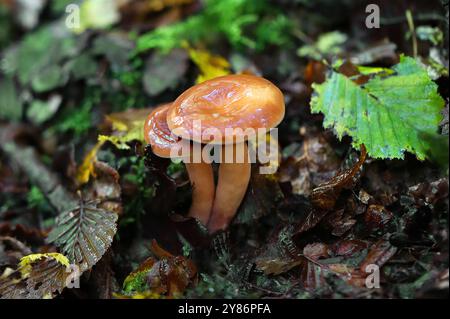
<point x="389" y="114"/>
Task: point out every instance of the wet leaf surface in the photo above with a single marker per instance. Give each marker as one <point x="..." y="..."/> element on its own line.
<point x="72" y="108"/>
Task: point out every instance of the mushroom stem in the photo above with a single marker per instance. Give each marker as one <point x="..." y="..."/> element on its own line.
<point x="231" y="187"/>
<point x="201" y="177"/>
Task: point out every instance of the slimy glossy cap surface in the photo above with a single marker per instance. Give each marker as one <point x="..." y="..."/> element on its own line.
<point x="157" y="133"/>
<point x="230" y="103"/>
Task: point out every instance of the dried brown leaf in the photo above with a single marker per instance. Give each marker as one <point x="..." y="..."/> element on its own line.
<point x="325" y="195"/>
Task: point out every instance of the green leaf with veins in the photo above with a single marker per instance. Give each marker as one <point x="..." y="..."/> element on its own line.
<point x="84" y="234"/>
<point x="389" y="114"/>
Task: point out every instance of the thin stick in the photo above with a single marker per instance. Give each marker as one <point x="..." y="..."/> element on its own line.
<point x="412" y="29"/>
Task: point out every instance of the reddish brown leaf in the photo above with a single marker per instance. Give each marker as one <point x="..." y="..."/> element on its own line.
<point x="325" y="195"/>
<point x="313" y="218"/>
<point x="312" y="276"/>
<point x="377" y="216"/>
<point x="316" y="250"/>
<point x="378" y="254"/>
<point x="105" y="186"/>
<point x="347" y="248"/>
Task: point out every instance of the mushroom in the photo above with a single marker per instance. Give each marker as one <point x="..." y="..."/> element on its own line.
<point x="162" y="141"/>
<point x="236" y="107"/>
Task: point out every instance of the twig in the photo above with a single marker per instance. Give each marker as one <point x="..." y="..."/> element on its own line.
<point x="419" y="17"/>
<point x="48" y="182"/>
<point x="412" y="30"/>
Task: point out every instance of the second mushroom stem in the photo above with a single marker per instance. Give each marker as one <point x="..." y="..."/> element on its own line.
<point x="234" y="177"/>
<point x="202" y="180"/>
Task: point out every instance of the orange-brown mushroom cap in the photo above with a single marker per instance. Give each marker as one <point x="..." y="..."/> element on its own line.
<point x="231" y="102"/>
<point x="157" y="133"/>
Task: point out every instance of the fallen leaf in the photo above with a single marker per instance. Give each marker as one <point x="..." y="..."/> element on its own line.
<point x="340" y="222"/>
<point x="210" y="66"/>
<point x="378" y="254"/>
<point x="325" y="195"/>
<point x="86" y="169"/>
<point x="377" y="217"/>
<point x="41" y="276"/>
<point x="280" y="254"/>
<point x="84" y="233"/>
<point x="316" y="250"/>
<point x="348" y="247"/>
<point x="315" y="163"/>
<point x="167" y="275"/>
<point x="126" y="127"/>
<point x="105" y="187"/>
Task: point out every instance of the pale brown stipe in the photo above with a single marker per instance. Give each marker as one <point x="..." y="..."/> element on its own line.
<point x="231" y="188"/>
<point x="158" y="135"/>
<point x="201" y="176"/>
<point x="228" y="102"/>
<point x="242" y="104"/>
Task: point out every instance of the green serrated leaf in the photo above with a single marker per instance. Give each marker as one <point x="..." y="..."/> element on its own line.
<point x="389" y="115"/>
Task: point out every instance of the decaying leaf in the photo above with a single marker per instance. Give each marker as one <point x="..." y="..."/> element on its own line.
<point x="105" y="187"/>
<point x="377" y="216"/>
<point x="127" y="126"/>
<point x="280" y="254"/>
<point x="86" y="169"/>
<point x="41" y="276"/>
<point x="84" y="233"/>
<point x="378" y="255"/>
<point x="166" y="275"/>
<point x="325" y="196"/>
<point x="312" y="275"/>
<point x="340" y="222"/>
<point x="312" y="218"/>
<point x="316" y="250"/>
<point x="315" y="163"/>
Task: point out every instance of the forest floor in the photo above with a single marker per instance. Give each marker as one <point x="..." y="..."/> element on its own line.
<point x="335" y="221"/>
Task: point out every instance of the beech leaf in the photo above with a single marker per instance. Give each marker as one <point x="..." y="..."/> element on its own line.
<point x="84" y="233"/>
<point x="41" y="276"/>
